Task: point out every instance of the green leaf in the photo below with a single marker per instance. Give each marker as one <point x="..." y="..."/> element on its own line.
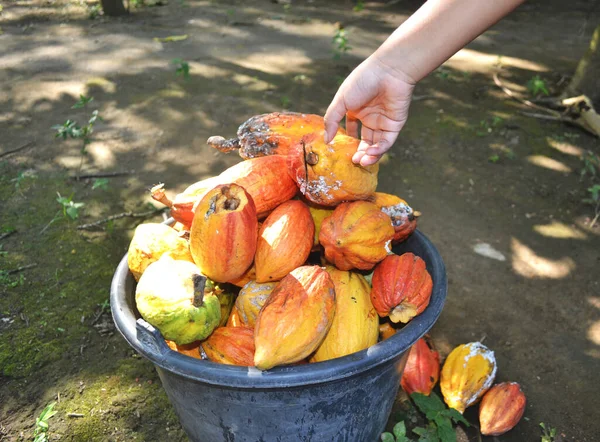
<point x="83" y="100"/>
<point x="387" y="437"/>
<point x="399" y="430"/>
<point x="429" y="403"/>
<point x="100" y="183"/>
<point x="455" y="416"/>
<point x="427" y="434"/>
<point x="72" y="212"/>
<point x="444" y="429"/>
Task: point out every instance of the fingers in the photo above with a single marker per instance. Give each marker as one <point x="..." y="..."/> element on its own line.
<point x="383" y="144"/>
<point x="368" y="153"/>
<point x="333" y="116"/>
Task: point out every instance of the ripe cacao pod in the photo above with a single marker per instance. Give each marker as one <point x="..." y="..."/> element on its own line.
<point x="152" y="240"/>
<point x="284" y="241"/>
<point x="326" y="174"/>
<point x="386" y="331"/>
<point x="501" y="408"/>
<point x="356" y="235"/>
<point x="224" y="233"/>
<point x="234" y="319"/>
<point x="404" y="218"/>
<point x="355" y="323"/>
<point x="226" y="298"/>
<point x="295" y="318"/>
<point x="422" y="369"/>
<point x="401" y="287"/>
<point x="171" y="296"/>
<point x="468" y="372"/>
<point x="251" y="299"/>
<point x="270" y="134"/>
<point x="265" y="179"/>
<point x="192" y="349"/>
<point x="249" y="275"/>
<point x="231" y="346"/>
<point x="318" y="213"/>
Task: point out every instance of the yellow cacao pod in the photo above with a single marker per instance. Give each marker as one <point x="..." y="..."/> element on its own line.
<point x="468" y="372"/>
<point x="251" y="299"/>
<point x="355" y="322"/>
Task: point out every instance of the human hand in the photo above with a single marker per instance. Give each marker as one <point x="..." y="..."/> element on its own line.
<point x="377" y="96"/>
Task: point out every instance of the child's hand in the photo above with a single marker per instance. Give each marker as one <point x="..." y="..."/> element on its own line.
<point x="377" y="96"/>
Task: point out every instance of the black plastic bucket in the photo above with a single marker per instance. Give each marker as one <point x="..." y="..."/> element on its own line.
<point x="346" y="399"/>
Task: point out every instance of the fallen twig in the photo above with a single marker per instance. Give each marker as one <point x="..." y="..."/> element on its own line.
<point x="24" y="146"/>
<point x="121" y="215"/>
<point x="527" y="103"/>
<point x="74" y="415"/>
<point x="7" y="234"/>
<point x="20" y="269"/>
<point x="102" y="175"/>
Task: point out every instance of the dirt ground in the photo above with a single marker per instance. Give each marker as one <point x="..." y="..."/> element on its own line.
<point x="478" y="169"/>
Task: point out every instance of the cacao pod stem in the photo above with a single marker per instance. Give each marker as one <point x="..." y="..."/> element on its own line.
<point x="223" y="145"/>
<point x="199" y="284"/>
<point x="403" y="312"/>
<point x="158" y="194"/>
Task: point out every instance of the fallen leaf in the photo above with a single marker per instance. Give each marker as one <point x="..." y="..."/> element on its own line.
<point x="171" y="38"/>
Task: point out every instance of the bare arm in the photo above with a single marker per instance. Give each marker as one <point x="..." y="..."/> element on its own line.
<point x="378" y="92"/>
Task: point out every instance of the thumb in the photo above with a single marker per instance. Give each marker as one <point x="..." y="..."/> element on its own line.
<point x="335" y="113"/>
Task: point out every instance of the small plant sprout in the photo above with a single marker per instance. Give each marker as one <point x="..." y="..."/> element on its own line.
<point x="591" y="165"/>
<point x="182" y="68"/>
<point x="537" y="85"/>
<point x="41" y="423"/>
<point x="398" y="434"/>
<point x="72" y="129"/>
<point x="69" y="208"/>
<point x="285" y="101"/>
<point x="359" y="6"/>
<point x="100" y="183"/>
<point x="548" y="434"/>
<point x="594" y="200"/>
<point x="340" y="42"/>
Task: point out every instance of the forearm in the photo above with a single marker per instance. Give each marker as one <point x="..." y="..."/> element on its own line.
<point x="436" y="31"/>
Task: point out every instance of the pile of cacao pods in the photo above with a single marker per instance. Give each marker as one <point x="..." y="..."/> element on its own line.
<point x="466" y="378"/>
<point x="283" y="258"/>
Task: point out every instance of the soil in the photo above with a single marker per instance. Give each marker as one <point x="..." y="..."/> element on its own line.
<point x="479" y="170"/>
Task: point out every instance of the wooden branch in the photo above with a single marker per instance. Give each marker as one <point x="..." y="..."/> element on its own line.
<point x="121" y="215"/>
<point x="20" y="269"/>
<point x="527" y="103"/>
<point x="102" y="175"/>
<point x="7" y="234"/>
<point x="24" y="146"/>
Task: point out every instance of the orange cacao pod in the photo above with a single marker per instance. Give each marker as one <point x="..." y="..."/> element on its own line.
<point x="224" y="232"/>
<point x="251" y="299"/>
<point x="401" y="287"/>
<point x="501" y="408"/>
<point x="284" y="241"/>
<point x="265" y="179"/>
<point x="295" y="318"/>
<point x="231" y="345"/>
<point x="356" y="235"/>
<point x="326" y="174"/>
<point x="404" y="218"/>
<point x="192" y="349"/>
<point x="249" y="275"/>
<point x="234" y="319"/>
<point x="270" y="134"/>
<point x="386" y="331"/>
<point x="422" y="369"/>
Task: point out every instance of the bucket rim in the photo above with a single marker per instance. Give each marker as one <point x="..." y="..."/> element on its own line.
<point x="148" y="341"/>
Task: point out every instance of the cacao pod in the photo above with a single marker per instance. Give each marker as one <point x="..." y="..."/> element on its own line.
<point x="468" y="372"/>
<point x="171" y="296"/>
<point x="404" y="218"/>
<point x="295" y="318"/>
<point x="422" y="369"/>
<point x="356" y="235"/>
<point x="401" y="287"/>
<point x="284" y="241"/>
<point x="234" y="319"/>
<point x="386" y="331"/>
<point x="224" y="233"/>
<point x="318" y="213"/>
<point x="192" y="349"/>
<point x="152" y="240"/>
<point x="251" y="299"/>
<point x="270" y="134"/>
<point x="501" y="408"/>
<point x="226" y="298"/>
<point x="249" y="275"/>
<point x="326" y="174"/>
<point x="355" y="324"/>
<point x="231" y="346"/>
<point x="265" y="179"/>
